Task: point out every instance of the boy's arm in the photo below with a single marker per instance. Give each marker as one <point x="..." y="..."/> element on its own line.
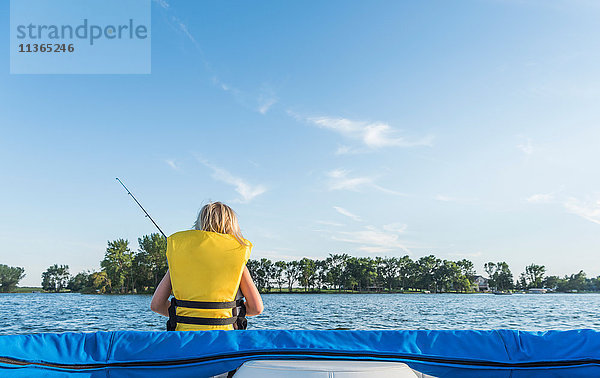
<point x="254" y="303"/>
<point x="160" y="300"/>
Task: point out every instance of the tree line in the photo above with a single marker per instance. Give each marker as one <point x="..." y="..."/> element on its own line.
<point x="10" y="277"/>
<point x="124" y="270"/>
<point x="343" y="273"/>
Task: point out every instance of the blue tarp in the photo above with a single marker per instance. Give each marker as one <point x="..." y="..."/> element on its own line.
<point x="495" y="353"/>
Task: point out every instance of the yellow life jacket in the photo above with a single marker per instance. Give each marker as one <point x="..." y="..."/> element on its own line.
<point x="205" y="269"/>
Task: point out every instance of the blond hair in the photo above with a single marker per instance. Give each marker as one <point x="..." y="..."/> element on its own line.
<point x="218" y="217"/>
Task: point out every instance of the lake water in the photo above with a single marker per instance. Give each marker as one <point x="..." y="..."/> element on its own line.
<point x="32" y="313"/>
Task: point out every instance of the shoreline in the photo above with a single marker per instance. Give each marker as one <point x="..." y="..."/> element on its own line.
<point x="39" y="290"/>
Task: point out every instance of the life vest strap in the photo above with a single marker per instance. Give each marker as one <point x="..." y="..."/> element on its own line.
<point x="239" y="320"/>
<point x="205" y="305"/>
<point x="205" y="321"/>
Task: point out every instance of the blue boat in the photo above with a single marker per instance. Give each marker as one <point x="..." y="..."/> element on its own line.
<point x="452" y="353"/>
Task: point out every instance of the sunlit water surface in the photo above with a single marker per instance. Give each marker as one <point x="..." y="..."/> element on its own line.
<point x="37" y="312"/>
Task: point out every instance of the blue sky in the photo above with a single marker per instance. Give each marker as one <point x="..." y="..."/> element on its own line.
<point x="463" y="129"/>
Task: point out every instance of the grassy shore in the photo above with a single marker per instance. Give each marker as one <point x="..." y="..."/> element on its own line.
<point x="26" y="289"/>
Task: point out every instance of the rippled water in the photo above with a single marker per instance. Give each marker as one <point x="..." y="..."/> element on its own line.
<point x="31" y="313"/>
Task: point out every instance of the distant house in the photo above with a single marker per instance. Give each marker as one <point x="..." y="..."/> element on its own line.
<point x="480" y="283"/>
<point x="375" y="288"/>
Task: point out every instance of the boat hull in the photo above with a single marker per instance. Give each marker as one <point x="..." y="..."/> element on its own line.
<point x="468" y="353"/>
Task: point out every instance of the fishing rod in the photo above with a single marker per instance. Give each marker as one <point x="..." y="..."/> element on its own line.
<point x="141" y="207"/>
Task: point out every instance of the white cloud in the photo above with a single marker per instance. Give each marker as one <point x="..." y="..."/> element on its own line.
<point x="162" y="3"/>
<point x="444" y="198"/>
<point x="372" y="134"/>
<point x="266" y="99"/>
<point x="346" y="213"/>
<point x="540" y="198"/>
<point x="374" y="240"/>
<point x="395" y="227"/>
<point x="589" y="210"/>
<point x="247" y="191"/>
<point x="340" y="180"/>
<point x="171" y="163"/>
<point x="260" y="101"/>
<point x="329" y="223"/>
<point x="346" y="150"/>
<point x="462" y="200"/>
<point x="526" y="146"/>
<point x="265" y="104"/>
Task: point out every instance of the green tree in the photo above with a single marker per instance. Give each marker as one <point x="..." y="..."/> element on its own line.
<point x="307" y="273"/>
<point x="321" y="268"/>
<point x="388" y="269"/>
<point x="447" y="276"/>
<point x="577" y="282"/>
<point x="368" y="276"/>
<point x="117" y="264"/>
<point x="428" y="275"/>
<point x="252" y="266"/>
<point x="266" y="272"/>
<point x="336" y="266"/>
<point x="279" y="269"/>
<point x="360" y="273"/>
<point x="79" y="282"/>
<point x="467" y="276"/>
<point x="10" y="277"/>
<point x="142" y="270"/>
<point x="100" y="282"/>
<point x="261" y="273"/>
<point x="535" y="275"/>
<point x="407" y="270"/>
<point x="499" y="275"/>
<point x="153" y="250"/>
<point x="490" y="269"/>
<point x="55" y="278"/>
<point x="504" y="277"/>
<point x="292" y="273"/>
<point x="466" y="268"/>
<point x="553" y="282"/>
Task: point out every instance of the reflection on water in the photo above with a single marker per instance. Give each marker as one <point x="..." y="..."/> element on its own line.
<point x="31" y="313"/>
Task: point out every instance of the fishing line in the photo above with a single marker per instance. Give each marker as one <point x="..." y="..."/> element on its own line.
<point x="141" y="207"/>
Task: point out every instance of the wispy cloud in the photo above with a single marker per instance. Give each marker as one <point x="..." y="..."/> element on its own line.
<point x="341" y="180"/>
<point x="176" y="23"/>
<point x="540" y="198"/>
<point x="347" y="213"/>
<point x="329" y="223"/>
<point x="265" y="104"/>
<point x="347" y="150"/>
<point x="162" y="3"/>
<point x="260" y="101"/>
<point x="395" y="227"/>
<point x="462" y="200"/>
<point x="266" y="99"/>
<point x="171" y="163"/>
<point x="444" y="198"/>
<point x="589" y="210"/>
<point x="526" y="146"/>
<point x="247" y="191"/>
<point x="372" y="135"/>
<point x="375" y="240"/>
<point x="184" y="29"/>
